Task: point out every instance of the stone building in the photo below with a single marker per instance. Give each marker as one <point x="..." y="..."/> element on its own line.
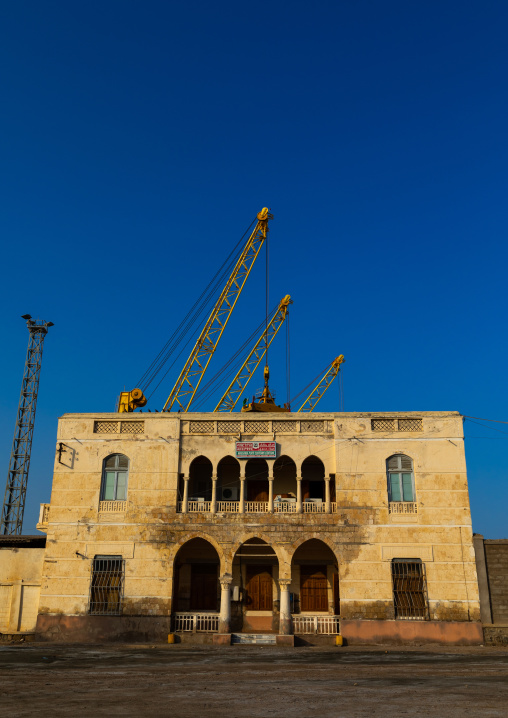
<point x="283" y="524"/>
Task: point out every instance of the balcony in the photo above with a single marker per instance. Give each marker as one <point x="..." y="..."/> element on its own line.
<point x="256" y="507"/>
<point x="43" y="522"/>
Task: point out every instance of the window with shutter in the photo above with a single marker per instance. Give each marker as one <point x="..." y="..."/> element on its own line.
<point x="401" y="486"/>
<point x="115" y="473"/>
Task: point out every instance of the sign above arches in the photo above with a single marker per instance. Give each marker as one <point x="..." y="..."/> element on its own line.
<point x="250" y="449"/>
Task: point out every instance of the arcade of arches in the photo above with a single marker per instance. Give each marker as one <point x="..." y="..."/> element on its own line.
<point x="252" y="596"/>
<point x="255" y="485"/>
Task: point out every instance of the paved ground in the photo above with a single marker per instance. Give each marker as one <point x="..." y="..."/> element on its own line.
<point x="252" y="681"/>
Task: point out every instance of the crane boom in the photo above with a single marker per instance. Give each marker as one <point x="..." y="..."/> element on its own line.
<point x="318" y="392"/>
<point x="191" y="375"/>
<point x="246" y="371"/>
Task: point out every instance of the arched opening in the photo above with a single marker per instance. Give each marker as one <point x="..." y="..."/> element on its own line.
<point x="200" y="479"/>
<point x="228" y="479"/>
<point x="313" y="480"/>
<point x="256" y="475"/>
<point x="284" y="480"/>
<point x="254" y="587"/>
<point x="315" y="579"/>
<point x="196" y="577"/>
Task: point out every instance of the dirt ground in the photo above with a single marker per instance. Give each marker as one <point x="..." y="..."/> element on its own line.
<point x="252" y="681"/>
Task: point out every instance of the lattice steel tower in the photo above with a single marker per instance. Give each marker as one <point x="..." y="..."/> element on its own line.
<point x="17" y="478"/>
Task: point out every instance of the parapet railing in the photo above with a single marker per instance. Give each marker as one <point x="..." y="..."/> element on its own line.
<point x="196" y="622"/>
<point x="325" y="625"/>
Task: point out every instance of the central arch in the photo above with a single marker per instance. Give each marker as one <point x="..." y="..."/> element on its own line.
<point x="255" y="574"/>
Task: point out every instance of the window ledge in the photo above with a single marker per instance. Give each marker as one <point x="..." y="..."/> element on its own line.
<point x="403" y="507"/>
<point x="112" y="507"/>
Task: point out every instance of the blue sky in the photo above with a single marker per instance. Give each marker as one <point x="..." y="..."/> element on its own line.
<point x="138" y="141"/>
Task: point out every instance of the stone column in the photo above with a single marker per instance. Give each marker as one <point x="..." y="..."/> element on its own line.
<point x="185" y="502"/>
<point x="270" y="494"/>
<point x="241" y="507"/>
<point x="328" y="505"/>
<point x="225" y="604"/>
<point x="285" y="627"/>
<point x="483" y="581"/>
<point x="299" y="507"/>
<point x="213" y="503"/>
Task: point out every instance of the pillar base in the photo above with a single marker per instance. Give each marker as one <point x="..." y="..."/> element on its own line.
<point x="285" y="641"/>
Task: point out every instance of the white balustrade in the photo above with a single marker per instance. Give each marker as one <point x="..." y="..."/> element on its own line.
<point x="196" y="622"/>
<point x="285" y="507"/>
<point x="256" y="507"/>
<point x="309" y="507"/>
<point x="112" y="507"/>
<point x="198" y="506"/>
<point x="403" y="507"/>
<point x="228" y="507"/>
<point x="321" y="625"/>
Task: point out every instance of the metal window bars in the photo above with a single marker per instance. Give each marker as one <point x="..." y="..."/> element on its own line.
<point x="409" y="589"/>
<point x="107" y="585"/>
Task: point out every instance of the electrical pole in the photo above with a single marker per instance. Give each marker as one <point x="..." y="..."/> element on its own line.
<point x="19" y="464"/>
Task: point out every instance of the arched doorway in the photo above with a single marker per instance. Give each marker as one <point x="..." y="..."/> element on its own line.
<point x="228" y="479"/>
<point x="255" y="574"/>
<point x="256" y="475"/>
<point x="200" y="479"/>
<point x="284" y="484"/>
<point x="315" y="579"/>
<point x="196" y="577"/>
<point x="313" y="480"/>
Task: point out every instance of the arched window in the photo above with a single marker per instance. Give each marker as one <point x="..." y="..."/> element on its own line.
<point x="115" y="470"/>
<point x="401" y="484"/>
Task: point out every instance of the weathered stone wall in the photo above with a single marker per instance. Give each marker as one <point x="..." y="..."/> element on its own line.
<point x="496" y="556"/>
<point x="363" y="535"/>
<point x="20" y="582"/>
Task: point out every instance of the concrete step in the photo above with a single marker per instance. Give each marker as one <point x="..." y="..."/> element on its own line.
<point x="257" y="639"/>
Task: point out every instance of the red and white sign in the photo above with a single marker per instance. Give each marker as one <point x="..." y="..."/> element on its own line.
<point x="250" y="449"/>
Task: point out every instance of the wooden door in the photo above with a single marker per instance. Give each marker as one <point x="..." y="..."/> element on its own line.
<point x="257" y="490"/>
<point x="259" y="589"/>
<point x="313" y="588"/>
<point x="203" y="595"/>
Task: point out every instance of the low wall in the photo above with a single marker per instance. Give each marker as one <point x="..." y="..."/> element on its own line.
<point x="95" y="629"/>
<point x="453" y="633"/>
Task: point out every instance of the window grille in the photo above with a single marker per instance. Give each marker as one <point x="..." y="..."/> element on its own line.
<point x="410" y="425"/>
<point x="286" y="426"/>
<point x="313" y="426"/>
<point x="132" y="427"/>
<point x="400" y="478"/>
<point x="106" y="588"/>
<point x="257" y="427"/>
<point x="201" y="427"/>
<point x="383" y="425"/>
<point x="115" y="473"/>
<point x="229" y="427"/>
<point x="105" y="427"/>
<point x="409" y="588"/>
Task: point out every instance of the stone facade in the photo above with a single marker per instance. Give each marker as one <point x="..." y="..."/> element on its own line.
<point x="21" y="560"/>
<point x="321" y="514"/>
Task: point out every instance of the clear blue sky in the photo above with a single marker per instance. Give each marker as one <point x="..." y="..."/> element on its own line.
<point x="138" y="140"/>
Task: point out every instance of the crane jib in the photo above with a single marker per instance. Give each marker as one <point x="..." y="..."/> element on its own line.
<point x="190" y="378"/>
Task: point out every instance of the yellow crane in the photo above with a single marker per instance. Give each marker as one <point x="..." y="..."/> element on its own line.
<point x="191" y="375"/>
<point x="323" y="385"/>
<point x="230" y="397"/>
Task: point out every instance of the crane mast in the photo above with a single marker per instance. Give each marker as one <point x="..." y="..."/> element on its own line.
<point x="323" y="385"/>
<point x="191" y="375"/>
<point x="19" y="464"/>
<point x="246" y="371"/>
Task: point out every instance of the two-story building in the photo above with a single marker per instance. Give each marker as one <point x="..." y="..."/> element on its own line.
<point x="281" y="524"/>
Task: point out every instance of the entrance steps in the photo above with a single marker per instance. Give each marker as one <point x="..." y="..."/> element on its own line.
<point x="255" y="639"/>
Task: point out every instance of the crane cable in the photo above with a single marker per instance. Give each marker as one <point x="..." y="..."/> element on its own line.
<point x="192" y="315"/>
<point x="311" y="383"/>
<point x="227" y="369"/>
